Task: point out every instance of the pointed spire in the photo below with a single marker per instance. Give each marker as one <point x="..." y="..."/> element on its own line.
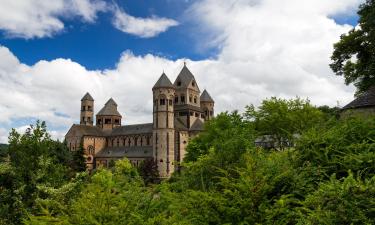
<point x="109" y="109"/>
<point x="184" y="77"/>
<point x="205" y="97"/>
<point x="163" y="82"/>
<point x="87" y="97"/>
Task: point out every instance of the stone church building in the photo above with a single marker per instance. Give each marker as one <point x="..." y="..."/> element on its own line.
<point x="179" y="111"/>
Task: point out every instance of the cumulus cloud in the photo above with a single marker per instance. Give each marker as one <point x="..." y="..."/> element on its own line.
<point x="142" y="27"/>
<point x="267" y="49"/>
<point x="41" y="18"/>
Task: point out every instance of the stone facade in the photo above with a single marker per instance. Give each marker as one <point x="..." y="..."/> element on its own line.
<point x="179" y="112"/>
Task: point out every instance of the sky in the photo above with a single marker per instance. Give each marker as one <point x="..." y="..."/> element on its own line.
<point x="241" y="51"/>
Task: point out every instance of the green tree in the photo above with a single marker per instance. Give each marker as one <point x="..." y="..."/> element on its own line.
<point x="34" y="161"/>
<point x="282" y="119"/>
<point x="228" y="135"/>
<point x="354" y="54"/>
<point x="79" y="160"/>
<point x="149" y="171"/>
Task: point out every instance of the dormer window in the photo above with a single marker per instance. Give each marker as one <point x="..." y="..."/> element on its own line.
<point x="195" y="99"/>
<point x="178" y="83"/>
<point x="182" y="99"/>
<point x="193" y="84"/>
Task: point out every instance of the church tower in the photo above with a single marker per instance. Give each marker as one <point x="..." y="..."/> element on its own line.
<point x="163" y="126"/>
<point x="87" y="110"/>
<point x="108" y="117"/>
<point x="187" y="100"/>
<point x="207" y="105"/>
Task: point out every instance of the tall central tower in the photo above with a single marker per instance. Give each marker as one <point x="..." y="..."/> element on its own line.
<point x="163" y="130"/>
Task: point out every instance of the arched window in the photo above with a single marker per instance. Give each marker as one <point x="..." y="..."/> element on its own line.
<point x="90" y="150"/>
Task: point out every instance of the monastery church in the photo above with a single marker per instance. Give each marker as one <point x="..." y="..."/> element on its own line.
<point x="179" y="111"/>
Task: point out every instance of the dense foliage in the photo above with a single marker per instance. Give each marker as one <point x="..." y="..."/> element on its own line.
<point x="354" y="54"/>
<point x="327" y="178"/>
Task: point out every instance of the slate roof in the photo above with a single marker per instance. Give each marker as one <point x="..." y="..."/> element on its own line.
<point x="197" y="125"/>
<point x="163" y="82"/>
<point x="179" y="125"/>
<point x="84" y="130"/>
<point x="205" y="97"/>
<point x="129" y="152"/>
<point x="132" y="129"/>
<point x="185" y="77"/>
<point x="87" y="97"/>
<point x="187" y="106"/>
<point x="109" y="109"/>
<point x="367" y="99"/>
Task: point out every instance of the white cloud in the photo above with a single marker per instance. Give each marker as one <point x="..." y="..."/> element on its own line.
<point x="267" y="49"/>
<point x="41" y="18"/>
<point x="142" y="27"/>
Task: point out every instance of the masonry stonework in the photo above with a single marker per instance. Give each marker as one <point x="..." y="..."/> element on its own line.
<point x="179" y="112"/>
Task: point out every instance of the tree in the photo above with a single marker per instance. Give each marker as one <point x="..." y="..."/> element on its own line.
<point x="228" y="135"/>
<point x="282" y="119"/>
<point x="79" y="160"/>
<point x="35" y="161"/>
<point x="354" y="54"/>
<point x="149" y="171"/>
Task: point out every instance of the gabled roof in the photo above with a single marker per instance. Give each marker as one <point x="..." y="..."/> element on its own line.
<point x="78" y="130"/>
<point x="132" y="129"/>
<point x="367" y="99"/>
<point x="129" y="152"/>
<point x="205" y="97"/>
<point x="179" y="125"/>
<point x="185" y="77"/>
<point x="87" y="97"/>
<point x="109" y="109"/>
<point x="163" y="82"/>
<point x="197" y="125"/>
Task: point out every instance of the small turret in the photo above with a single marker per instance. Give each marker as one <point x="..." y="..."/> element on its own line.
<point x="87" y="110"/>
<point x="108" y="117"/>
<point x="163" y="130"/>
<point x="207" y="105"/>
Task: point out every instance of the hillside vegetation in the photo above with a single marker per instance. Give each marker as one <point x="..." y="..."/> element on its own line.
<point x="328" y="177"/>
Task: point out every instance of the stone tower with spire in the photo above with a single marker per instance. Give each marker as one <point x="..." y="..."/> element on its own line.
<point x="87" y="110"/>
<point x="163" y="125"/>
<point x="207" y="105"/>
<point x="179" y="113"/>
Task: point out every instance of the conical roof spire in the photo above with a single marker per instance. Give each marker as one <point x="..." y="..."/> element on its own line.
<point x="109" y="109"/>
<point x="88" y="97"/>
<point x="205" y="97"/>
<point x="163" y="82"/>
<point x="184" y="77"/>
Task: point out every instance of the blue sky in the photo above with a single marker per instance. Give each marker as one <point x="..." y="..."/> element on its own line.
<point x="241" y="51"/>
<point x="99" y="45"/>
